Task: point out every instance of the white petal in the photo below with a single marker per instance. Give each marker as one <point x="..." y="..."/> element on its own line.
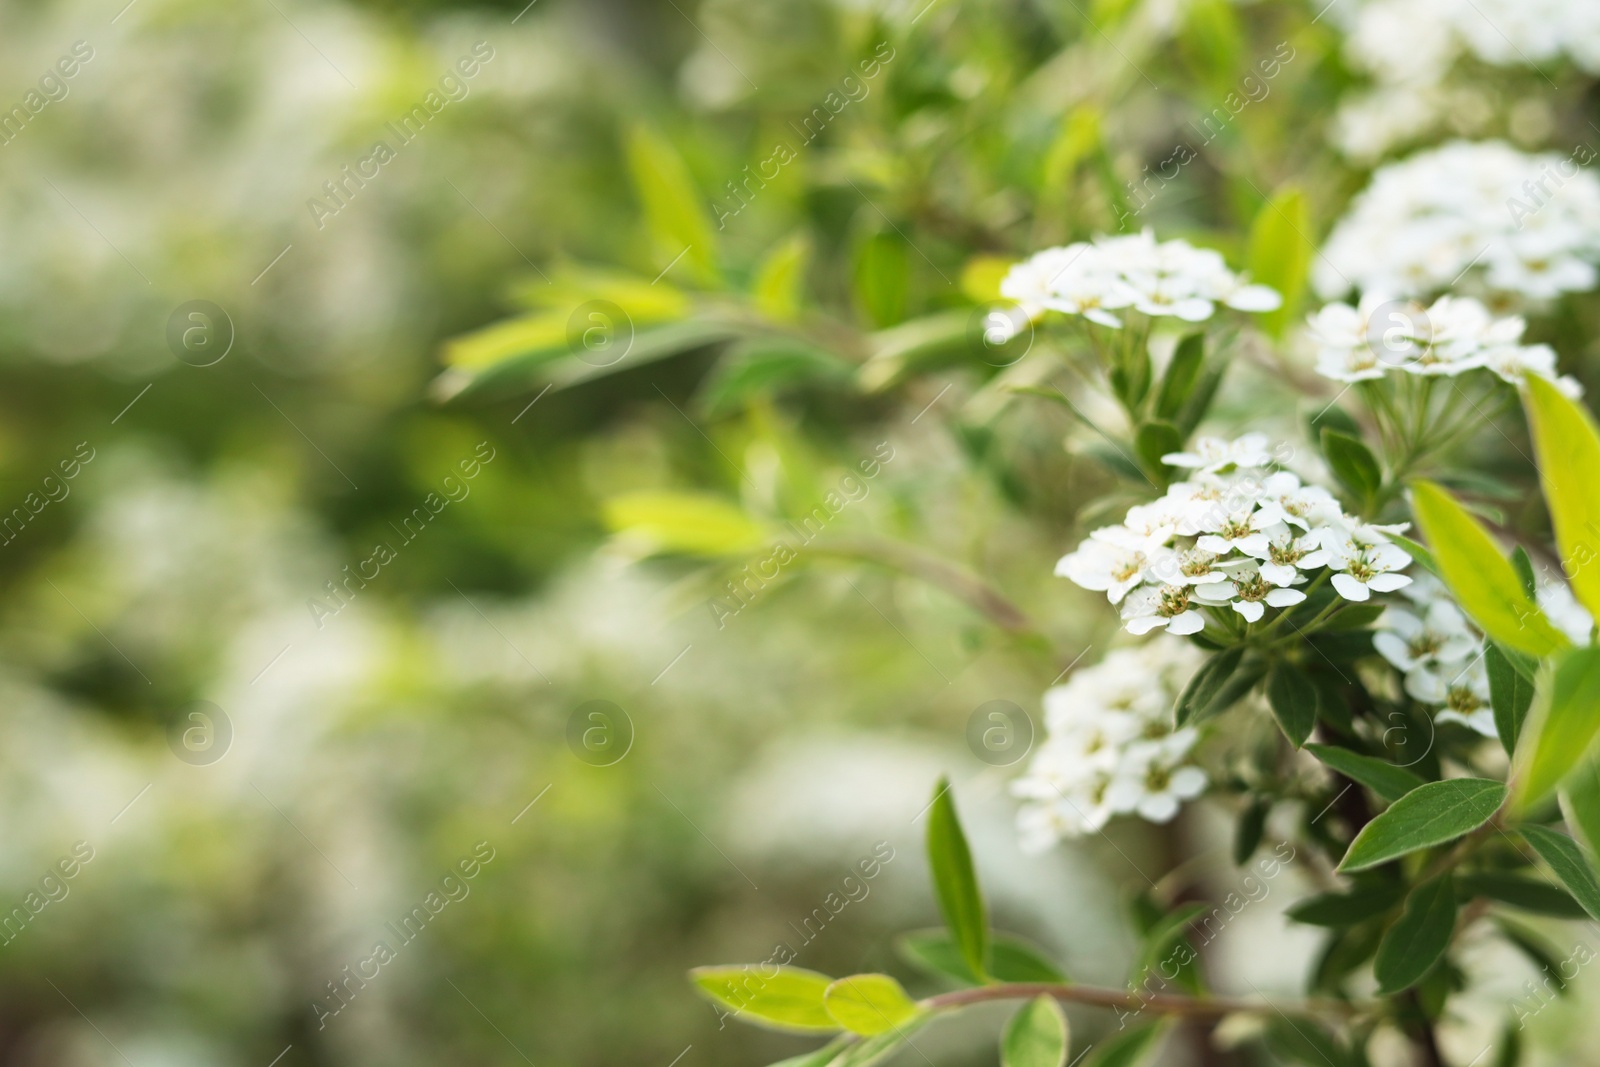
<point x="1255" y="298"/>
<point x="1188" y="782"/>
<point x="1190" y="622"/>
<point x="1282" y="598"/>
<point x="1159" y="807"/>
<point x="1349" y="588"/>
<point x="1145" y="623"/>
<point x="1250" y="609"/>
<point x="1387" y="583"/>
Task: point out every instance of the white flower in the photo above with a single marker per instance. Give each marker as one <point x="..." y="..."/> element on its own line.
<point x="1094" y="280"/>
<point x="1466" y="698"/>
<point x="1112" y="560"/>
<point x="1442" y="637"/>
<point x="1283" y="555"/>
<point x="1513" y="223"/>
<point x="1153" y="781"/>
<point x="1365" y="564"/>
<point x="1152" y="607"/>
<point x="1247" y="590"/>
<point x="1214" y="454"/>
<point x="1110" y="723"/>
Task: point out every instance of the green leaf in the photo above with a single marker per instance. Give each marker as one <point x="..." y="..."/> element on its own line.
<point x="1248" y="830"/>
<point x="1154" y="440"/>
<point x="1207" y="683"/>
<point x="1199" y="402"/>
<point x="1569" y="863"/>
<point x="1418" y="939"/>
<point x="1076" y="142"/>
<point x="1483" y="581"/>
<point x="1164" y="935"/>
<point x="955" y="882"/>
<point x="1580" y="800"/>
<point x="687" y="523"/>
<point x="788" y="999"/>
<point x="760" y="366"/>
<point x="1181" y="376"/>
<point x="1130" y="1048"/>
<point x="868" y="1004"/>
<point x="1561" y="726"/>
<point x="1524" y="565"/>
<point x="1430" y="814"/>
<point x="820" y="1057"/>
<point x="1510" y="695"/>
<point x="1036" y="1036"/>
<point x="1346" y="909"/>
<point x="1520" y="892"/>
<point x="1011" y="959"/>
<point x="880" y="1047"/>
<point x="1280" y="253"/>
<point x="1293" y="699"/>
<point x="1304" y="1041"/>
<point x="780" y="279"/>
<point x="883" y="276"/>
<point x="1417" y="552"/>
<point x="1568" y="447"/>
<point x="1383" y="778"/>
<point x="673" y="207"/>
<point x="1353" y="464"/>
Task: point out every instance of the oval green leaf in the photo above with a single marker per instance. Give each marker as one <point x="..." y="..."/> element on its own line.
<point x="1569" y="862"/>
<point x="1417" y="940"/>
<point x="1385" y="779"/>
<point x="791" y="998"/>
<point x="1293" y="699"/>
<point x="1429" y="815"/>
<point x="1036" y="1036"/>
<point x="1484" y="582"/>
<point x="868" y="1004"/>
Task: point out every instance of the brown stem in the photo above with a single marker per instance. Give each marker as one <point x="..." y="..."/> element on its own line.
<point x="1423" y="1039"/>
<point x="1160" y="1003"/>
<point x="937" y="570"/>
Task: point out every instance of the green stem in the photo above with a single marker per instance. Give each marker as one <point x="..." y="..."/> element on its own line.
<point x="1128" y="1000"/>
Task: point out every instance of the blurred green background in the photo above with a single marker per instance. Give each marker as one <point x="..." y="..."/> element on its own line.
<point x="354" y="745"/>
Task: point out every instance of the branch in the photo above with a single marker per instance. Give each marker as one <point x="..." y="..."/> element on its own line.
<point x="1160" y="1003"/>
<point x="937" y="570"/>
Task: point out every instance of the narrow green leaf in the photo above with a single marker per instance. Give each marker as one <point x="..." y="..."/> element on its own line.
<point x="868" y="1004"/>
<point x="955" y="882"/>
<point x="1130" y="1048"/>
<point x="780" y="279"/>
<point x="1248" y="830"/>
<point x="1293" y="699"/>
<point x="1304" y="1041"/>
<point x="1075" y="142"/>
<point x="790" y="998"/>
<point x="1417" y="940"/>
<point x="1568" y="447"/>
<point x="1353" y="464"/>
<point x="1011" y="959"/>
<point x="673" y="207"/>
<point x="1385" y="779"/>
<point x="1430" y="814"/>
<point x="1569" y="863"/>
<point x="1510" y="695"/>
<point x="1524" y="565"/>
<point x="1520" y="892"/>
<point x="1561" y="726"/>
<point x="1207" y="683"/>
<point x="1483" y="581"/>
<point x="1036" y="1036"/>
<point x="688" y="523"/>
<point x="1154" y="440"/>
<point x="820" y="1057"/>
<point x="1162" y="937"/>
<point x="1419" y="553"/>
<point x="1181" y="376"/>
<point x="1580" y="800"/>
<point x="1347" y="909"/>
<point x="1280" y="253"/>
<point x="882" y="276"/>
<point x="876" y="1049"/>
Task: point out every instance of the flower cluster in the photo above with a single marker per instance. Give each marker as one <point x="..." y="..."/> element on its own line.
<point x="1410" y="46"/>
<point x="1110" y="748"/>
<point x="1451" y="336"/>
<point x="1237" y="534"/>
<point x="1113" y="274"/>
<point x="1520" y="224"/>
<point x="1416" y="41"/>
